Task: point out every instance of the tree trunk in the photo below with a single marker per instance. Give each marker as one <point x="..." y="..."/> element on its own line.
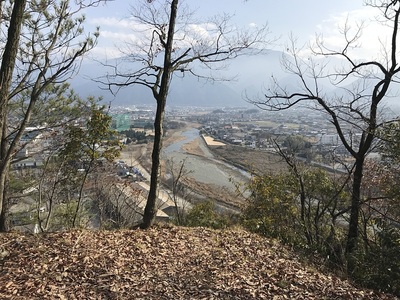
<point x="6" y="73"/>
<point x="352" y="234"/>
<point x="150" y="209"/>
<point x="4" y="219"/>
<point x="161" y="97"/>
<point x="80" y="197"/>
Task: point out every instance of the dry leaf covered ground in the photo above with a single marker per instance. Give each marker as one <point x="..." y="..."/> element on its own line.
<point x="161" y="263"/>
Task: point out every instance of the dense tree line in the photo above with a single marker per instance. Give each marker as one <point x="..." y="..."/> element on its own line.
<point x="135" y="136"/>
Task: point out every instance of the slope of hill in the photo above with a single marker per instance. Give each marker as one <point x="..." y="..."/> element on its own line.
<point x="161" y="263"/>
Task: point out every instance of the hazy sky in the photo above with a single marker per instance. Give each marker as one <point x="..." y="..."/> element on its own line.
<point x="302" y="18"/>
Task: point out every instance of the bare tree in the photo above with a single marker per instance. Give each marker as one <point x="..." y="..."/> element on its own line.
<point x="168" y="44"/>
<point x="44" y="44"/>
<point x="179" y="192"/>
<point x="321" y="201"/>
<point x="354" y="110"/>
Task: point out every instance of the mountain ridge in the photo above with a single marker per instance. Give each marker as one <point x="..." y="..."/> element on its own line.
<point x="243" y="74"/>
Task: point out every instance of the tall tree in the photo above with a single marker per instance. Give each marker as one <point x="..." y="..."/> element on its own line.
<point x="354" y="111"/>
<point x="87" y="145"/>
<point x="168" y="45"/>
<point x="6" y="74"/>
<point x="44" y="44"/>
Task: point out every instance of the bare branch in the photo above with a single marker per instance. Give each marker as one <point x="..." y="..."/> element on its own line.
<point x="210" y="43"/>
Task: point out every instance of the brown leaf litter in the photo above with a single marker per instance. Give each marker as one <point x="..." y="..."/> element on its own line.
<point x="161" y="263"/>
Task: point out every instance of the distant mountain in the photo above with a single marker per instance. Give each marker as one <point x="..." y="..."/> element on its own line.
<point x="252" y="77"/>
<point x="251" y="74"/>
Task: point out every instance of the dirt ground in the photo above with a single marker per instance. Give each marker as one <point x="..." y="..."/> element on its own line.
<point x="253" y="160"/>
<point x="194" y="148"/>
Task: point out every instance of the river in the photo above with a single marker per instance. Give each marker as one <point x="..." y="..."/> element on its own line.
<point x="205" y="169"/>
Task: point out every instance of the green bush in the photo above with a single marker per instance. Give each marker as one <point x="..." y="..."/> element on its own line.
<point x="271" y="210"/>
<point x="378" y="267"/>
<point x="64" y="214"/>
<point x="204" y="214"/>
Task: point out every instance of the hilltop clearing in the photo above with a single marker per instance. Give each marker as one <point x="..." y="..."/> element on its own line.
<point x="161" y="263"/>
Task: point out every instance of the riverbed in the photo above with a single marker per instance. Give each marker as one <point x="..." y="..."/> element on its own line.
<point x="209" y="175"/>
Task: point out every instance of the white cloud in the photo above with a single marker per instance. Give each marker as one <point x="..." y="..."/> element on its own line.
<point x="117" y="36"/>
<point x="372" y="35"/>
<point x="104" y="53"/>
<point x="112" y="22"/>
<point x="197" y="30"/>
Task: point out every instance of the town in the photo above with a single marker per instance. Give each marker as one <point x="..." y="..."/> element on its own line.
<point x="318" y="141"/>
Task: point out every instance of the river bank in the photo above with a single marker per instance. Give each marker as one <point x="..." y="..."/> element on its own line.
<point x="214" y="172"/>
<point x="208" y="177"/>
